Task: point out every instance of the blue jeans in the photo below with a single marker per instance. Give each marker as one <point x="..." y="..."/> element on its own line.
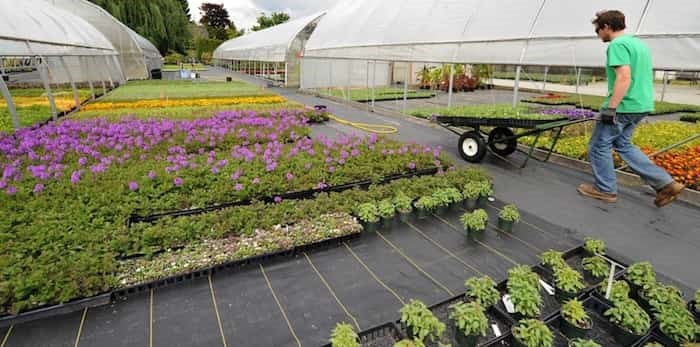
<point x="606" y="137"/>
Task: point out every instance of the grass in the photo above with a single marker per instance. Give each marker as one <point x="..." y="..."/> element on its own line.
<point x="380" y="94"/>
<point x="594" y="102"/>
<point x="142" y="90"/>
<point x="568" y="79"/>
<point x="175" y="67"/>
<point x="692" y="118"/>
<point x="35" y="110"/>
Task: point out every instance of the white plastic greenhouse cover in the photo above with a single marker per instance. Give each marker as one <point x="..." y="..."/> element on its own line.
<point x="134" y="55"/>
<point x="268" y="45"/>
<point x="527" y="32"/>
<point x="35" y="27"/>
<point x="153" y="58"/>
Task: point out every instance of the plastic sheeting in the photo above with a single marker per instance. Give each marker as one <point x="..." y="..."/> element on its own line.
<point x="269" y="45"/>
<point x="154" y="61"/>
<point x="527" y="32"/>
<point x="35" y="27"/>
<point x="135" y="52"/>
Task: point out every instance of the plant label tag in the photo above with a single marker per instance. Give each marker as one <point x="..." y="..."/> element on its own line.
<point x="491" y="199"/>
<point x="496" y="330"/>
<point x="508" y="304"/>
<point x="547" y="287"/>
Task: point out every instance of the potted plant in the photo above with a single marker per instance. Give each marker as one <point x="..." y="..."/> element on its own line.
<point x="425" y="205"/>
<point x="575" y="321"/>
<point x="619" y="290"/>
<point x="639" y="275"/>
<point x="455" y="197"/>
<point x="507" y="217"/>
<point x="443" y="199"/>
<point x="471" y="193"/>
<point x="368" y="213"/>
<point x="657" y="296"/>
<point x="470" y="323"/>
<point x="482" y="290"/>
<point x="594" y="246"/>
<point x="485" y="191"/>
<point x="630" y="322"/>
<point x="532" y="333"/>
<point x="420" y="322"/>
<point x="694" y="306"/>
<point x="344" y="335"/>
<point x="677" y="324"/>
<point x="387" y="211"/>
<point x="568" y="283"/>
<point x="523" y="288"/>
<point x="596" y="269"/>
<point x="474" y="222"/>
<point x="552" y="260"/>
<point x="583" y="343"/>
<point x="404" y="206"/>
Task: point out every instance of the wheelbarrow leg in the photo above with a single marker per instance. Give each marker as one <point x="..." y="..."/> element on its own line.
<point x="554" y="143"/>
<point x="532" y="150"/>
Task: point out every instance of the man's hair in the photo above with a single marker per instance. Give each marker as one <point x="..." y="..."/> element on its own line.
<point x="614" y="19"/>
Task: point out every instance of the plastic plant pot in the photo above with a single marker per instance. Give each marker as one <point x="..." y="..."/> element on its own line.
<point x="405" y="216"/>
<point x="388" y="223"/>
<point x="455" y="206"/>
<point x="572" y="331"/>
<point x="422" y="213"/>
<point x="442" y="210"/>
<point x="465" y="340"/>
<point x="624" y="337"/>
<point x="589" y="278"/>
<point x="505" y="225"/>
<point x="482" y="201"/>
<point x="470" y="204"/>
<point x="475" y="233"/>
<point x="563" y="296"/>
<point x="370" y="227"/>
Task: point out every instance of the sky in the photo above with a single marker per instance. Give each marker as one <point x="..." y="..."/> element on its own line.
<point x="244" y="12"/>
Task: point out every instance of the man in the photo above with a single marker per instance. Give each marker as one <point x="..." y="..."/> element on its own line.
<point x="630" y="98"/>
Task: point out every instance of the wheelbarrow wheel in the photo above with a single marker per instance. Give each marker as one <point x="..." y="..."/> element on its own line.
<point x="502" y="148"/>
<point x="472" y="147"/>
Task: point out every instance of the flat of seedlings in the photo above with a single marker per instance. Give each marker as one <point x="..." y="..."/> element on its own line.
<point x="601" y="329"/>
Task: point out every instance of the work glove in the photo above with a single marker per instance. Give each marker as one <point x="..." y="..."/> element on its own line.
<point x="607" y="116"/>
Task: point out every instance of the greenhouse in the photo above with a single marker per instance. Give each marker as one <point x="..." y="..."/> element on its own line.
<point x="273" y="53"/>
<point x="378" y="174"/>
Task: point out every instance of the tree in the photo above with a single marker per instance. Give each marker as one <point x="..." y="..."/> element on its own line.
<point x="275" y="18"/>
<point x="186" y="9"/>
<point x="216" y="19"/>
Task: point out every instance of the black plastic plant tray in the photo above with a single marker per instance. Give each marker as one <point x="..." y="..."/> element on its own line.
<point x="441" y="311"/>
<point x="475" y="121"/>
<point x="665" y="340"/>
<point x="550" y="305"/>
<point x="54" y="310"/>
<point x="691" y="308"/>
<point x="233" y="265"/>
<point x="652" y="338"/>
<point x="508" y="340"/>
<point x="385" y="335"/>
<point x="298" y="195"/>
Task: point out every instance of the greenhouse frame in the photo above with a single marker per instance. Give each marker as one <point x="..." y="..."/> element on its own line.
<point x="539" y="33"/>
<point x="272" y="53"/>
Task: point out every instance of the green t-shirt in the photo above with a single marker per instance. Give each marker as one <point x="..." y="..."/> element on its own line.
<point x="629" y="50"/>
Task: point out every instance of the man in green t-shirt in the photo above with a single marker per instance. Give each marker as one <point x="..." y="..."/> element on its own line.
<point x="630" y="98"/>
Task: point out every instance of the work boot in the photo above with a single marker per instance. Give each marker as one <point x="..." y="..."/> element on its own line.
<point x="592" y="192"/>
<point x="668" y="193"/>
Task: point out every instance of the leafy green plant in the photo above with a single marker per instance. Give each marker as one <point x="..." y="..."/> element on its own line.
<point x="620" y="290"/>
<point x="533" y="333"/>
<point x="553" y="259"/>
<point x="344" y="335"/>
<point x="424" y="324"/>
<point x="677" y="323"/>
<point x="444" y="196"/>
<point x="574" y="312"/>
<point x="568" y="280"/>
<point x="659" y="295"/>
<point x="485" y="189"/>
<point x="403" y="202"/>
<point x="453" y="194"/>
<point x="597" y="266"/>
<point x="386" y="208"/>
<point x="368" y="212"/>
<point x="594" y="246"/>
<point x="482" y="290"/>
<point x="510" y="213"/>
<point x="641" y="274"/>
<point x="407" y="343"/>
<point x="475" y="221"/>
<point x="427" y="203"/>
<point x="697" y="300"/>
<point x="627" y="314"/>
<point x="583" y="343"/>
<point x="469" y="318"/>
<point x="472" y="190"/>
<point x="653" y="344"/>
<point x="523" y="288"/>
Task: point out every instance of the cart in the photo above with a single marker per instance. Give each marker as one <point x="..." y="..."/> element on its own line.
<point x="501" y="140"/>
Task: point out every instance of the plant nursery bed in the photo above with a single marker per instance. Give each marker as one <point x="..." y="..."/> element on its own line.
<point x="385" y="335"/>
<point x="574" y="258"/>
<point x="298" y="195"/>
<point x="550" y="305"/>
<point x="478" y="121"/>
<point x="495" y="319"/>
<point x="55" y="310"/>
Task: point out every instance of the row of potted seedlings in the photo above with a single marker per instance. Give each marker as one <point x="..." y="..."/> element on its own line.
<point x="385" y="213"/>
